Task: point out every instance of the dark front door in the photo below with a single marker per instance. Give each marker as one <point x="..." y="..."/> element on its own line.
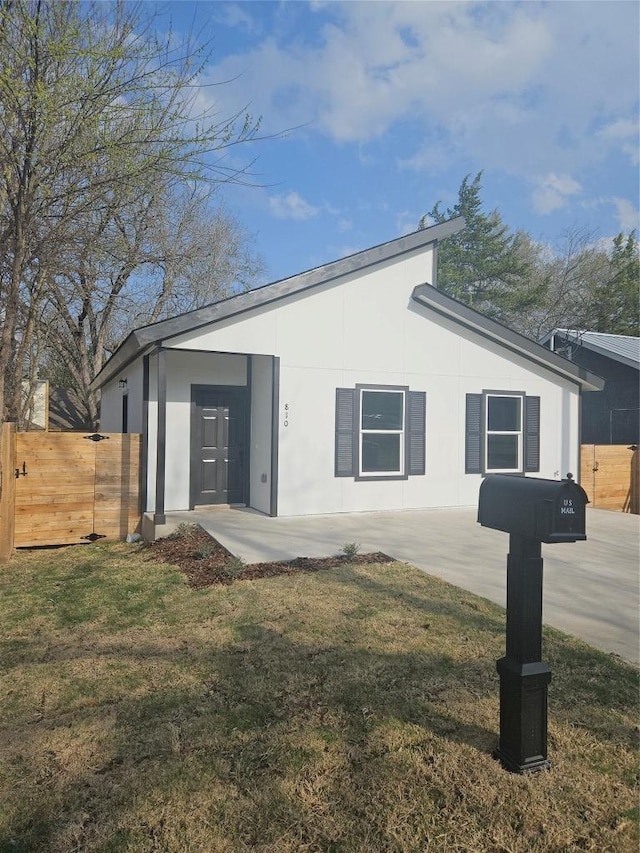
<point x="218" y="445"/>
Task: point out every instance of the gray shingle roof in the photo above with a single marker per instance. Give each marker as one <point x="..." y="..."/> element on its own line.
<point x="147" y="336"/>
<point x="144" y="339"/>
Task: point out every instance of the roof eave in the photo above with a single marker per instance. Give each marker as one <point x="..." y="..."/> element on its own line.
<point x="155" y="334"/>
<point x="447" y="306"/>
<point x="130" y="349"/>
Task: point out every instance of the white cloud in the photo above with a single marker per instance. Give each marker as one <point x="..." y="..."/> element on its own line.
<point x="622" y="128"/>
<point x="627" y="214"/>
<point x="517" y="87"/>
<point x="292" y="206"/>
<point x="371" y="64"/>
<point x="428" y="157"/>
<point x="233" y="15"/>
<point x="623" y="132"/>
<point x="553" y="192"/>
<point x="331" y="209"/>
<point x="406" y="222"/>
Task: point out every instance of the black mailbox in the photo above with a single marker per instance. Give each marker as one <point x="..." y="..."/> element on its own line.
<point x="545" y="510"/>
<point x="531" y="511"/>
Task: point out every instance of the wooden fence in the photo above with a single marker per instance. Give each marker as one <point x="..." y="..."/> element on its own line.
<point x="610" y="475"/>
<point x="65" y="488"/>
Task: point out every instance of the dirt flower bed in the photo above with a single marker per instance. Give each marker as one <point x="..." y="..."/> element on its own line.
<point x="205" y="562"/>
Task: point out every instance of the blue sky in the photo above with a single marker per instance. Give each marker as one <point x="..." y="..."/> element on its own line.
<point x="391" y="104"/>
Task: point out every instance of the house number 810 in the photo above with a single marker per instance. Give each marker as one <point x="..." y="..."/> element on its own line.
<point x="286" y="414"/>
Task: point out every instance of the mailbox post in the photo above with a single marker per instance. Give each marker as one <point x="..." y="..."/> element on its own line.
<point x="532" y="511"/>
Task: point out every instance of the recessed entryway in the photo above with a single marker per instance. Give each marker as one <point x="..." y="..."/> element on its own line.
<point x="219" y="463"/>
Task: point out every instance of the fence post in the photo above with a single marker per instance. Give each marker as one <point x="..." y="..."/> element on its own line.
<point x="8" y="490"/>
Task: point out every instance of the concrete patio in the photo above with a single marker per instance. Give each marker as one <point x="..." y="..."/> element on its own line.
<point x="591" y="589"/>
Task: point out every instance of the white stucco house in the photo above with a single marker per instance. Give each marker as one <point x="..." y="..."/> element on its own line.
<point x="354" y="386"/>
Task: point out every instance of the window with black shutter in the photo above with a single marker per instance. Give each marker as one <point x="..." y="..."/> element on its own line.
<point x="380" y="432"/>
<point x="531" y="434"/>
<point x="473" y="435"/>
<point x="417" y="430"/>
<point x="345" y="425"/>
<point x="502" y="433"/>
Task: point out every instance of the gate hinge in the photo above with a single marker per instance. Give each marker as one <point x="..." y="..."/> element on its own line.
<point x="97" y="437"/>
<point x="92" y="537"/>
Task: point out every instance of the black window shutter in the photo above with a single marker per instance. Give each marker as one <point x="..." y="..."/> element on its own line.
<point x="345" y="425"/>
<point x="532" y="434"/>
<point x="473" y="435"/>
<point x="416" y="433"/>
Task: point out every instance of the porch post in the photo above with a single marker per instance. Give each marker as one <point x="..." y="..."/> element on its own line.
<point x="247" y="431"/>
<point x="144" y="470"/>
<point x="161" y="440"/>
<point x="275" y="426"/>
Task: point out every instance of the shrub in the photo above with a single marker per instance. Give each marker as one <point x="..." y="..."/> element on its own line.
<point x="185" y="531"/>
<point x="203" y="552"/>
<point x="234" y="567"/>
<point x="350" y="549"/>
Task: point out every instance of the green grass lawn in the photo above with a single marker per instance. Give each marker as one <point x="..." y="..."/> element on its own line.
<point x="354" y="709"/>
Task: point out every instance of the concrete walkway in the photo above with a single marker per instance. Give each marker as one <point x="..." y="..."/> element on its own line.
<point x="591" y="589"/>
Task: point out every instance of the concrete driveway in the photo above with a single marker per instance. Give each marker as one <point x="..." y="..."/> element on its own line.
<point x="591" y="589"/>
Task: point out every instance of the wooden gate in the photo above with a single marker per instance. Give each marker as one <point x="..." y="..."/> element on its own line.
<point x="610" y="475"/>
<point x="66" y="488"/>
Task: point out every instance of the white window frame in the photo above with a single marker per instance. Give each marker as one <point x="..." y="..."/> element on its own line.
<point x="400" y="471"/>
<point x="519" y="433"/>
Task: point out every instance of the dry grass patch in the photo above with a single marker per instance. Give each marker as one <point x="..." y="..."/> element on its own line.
<point x="353" y="709"/>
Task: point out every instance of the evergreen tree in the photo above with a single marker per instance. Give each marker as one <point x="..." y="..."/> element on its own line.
<point x="529" y="286"/>
<point x="484" y="265"/>
<point x="616" y="301"/>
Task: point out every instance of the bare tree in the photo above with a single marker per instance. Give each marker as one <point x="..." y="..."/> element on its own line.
<point x="580" y="284"/>
<point x="97" y="114"/>
<point x="150" y="260"/>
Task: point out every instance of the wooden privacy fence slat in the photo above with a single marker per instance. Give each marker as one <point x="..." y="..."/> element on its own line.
<point x="7" y="490"/>
<point x="610" y="475"/>
<point x="60" y="488"/>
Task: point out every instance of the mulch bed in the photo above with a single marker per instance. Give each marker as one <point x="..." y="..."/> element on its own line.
<point x="205" y="562"/>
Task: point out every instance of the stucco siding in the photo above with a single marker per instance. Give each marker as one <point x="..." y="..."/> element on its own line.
<point x="111" y="401"/>
<point x="333" y="324"/>
<point x="367" y="329"/>
<point x="362" y="329"/>
<point x="260" y="450"/>
<point x="110" y="407"/>
<point x="307" y="481"/>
